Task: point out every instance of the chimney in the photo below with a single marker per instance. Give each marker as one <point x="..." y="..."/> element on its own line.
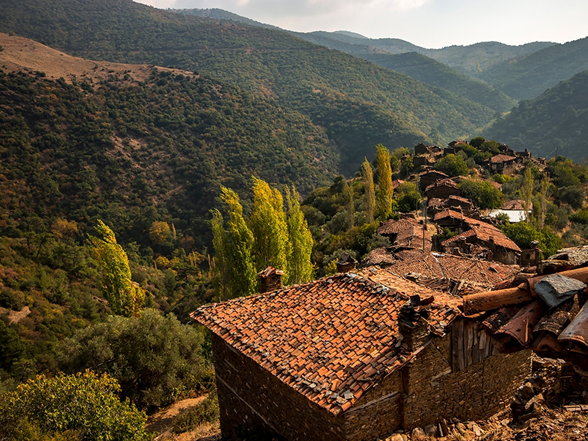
<point x="270" y="279"/>
<point x="345" y="263"/>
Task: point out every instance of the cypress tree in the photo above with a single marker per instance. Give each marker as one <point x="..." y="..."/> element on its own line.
<point x="370" y="194"/>
<point x="384" y="182"/>
<point x="300" y="240"/>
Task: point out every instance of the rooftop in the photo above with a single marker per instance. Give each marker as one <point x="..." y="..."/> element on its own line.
<point x="409" y="232"/>
<point x="332" y="339"/>
<point x="499" y="159"/>
<point x="448" y="267"/>
<point x="486" y="233"/>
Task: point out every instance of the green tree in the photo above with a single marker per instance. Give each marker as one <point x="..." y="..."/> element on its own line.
<point x="221" y="262"/>
<point x="269" y="227"/>
<point x="482" y="193"/>
<point x="452" y="165"/>
<point x="543" y="194"/>
<point x="125" y="297"/>
<point x="349" y="203"/>
<point x="385" y="189"/>
<point x="242" y="275"/>
<point x="369" y="192"/>
<point x="527" y="191"/>
<point x="300" y="240"/>
<point x="477" y="142"/>
<point x="154" y="358"/>
<point x="408" y="197"/>
<point x="523" y="233"/>
<point x="86" y="403"/>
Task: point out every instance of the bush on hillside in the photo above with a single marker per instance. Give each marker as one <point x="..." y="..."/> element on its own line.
<point x="482" y="193"/>
<point x="154" y="358"/>
<point x="452" y="165"/>
<point x="70" y="407"/>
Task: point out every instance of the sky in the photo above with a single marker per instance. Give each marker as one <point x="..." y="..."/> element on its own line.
<point x="427" y="23"/>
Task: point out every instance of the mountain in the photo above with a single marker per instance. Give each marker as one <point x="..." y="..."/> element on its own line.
<point x="221" y="14"/>
<point x="132" y="144"/>
<point x="527" y="77"/>
<point x="471" y="60"/>
<point x="337" y="91"/>
<point x="556" y="121"/>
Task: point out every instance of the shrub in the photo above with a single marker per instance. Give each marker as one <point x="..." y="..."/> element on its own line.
<point x="481" y="193"/>
<point x="154" y="358"/>
<point x="205" y="412"/>
<point x="523" y="233"/>
<point x="84" y="403"/>
<point x="580" y="217"/>
<point x="452" y="165"/>
<point x="572" y="195"/>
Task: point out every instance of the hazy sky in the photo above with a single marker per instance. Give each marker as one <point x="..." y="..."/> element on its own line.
<point x="428" y="23"/>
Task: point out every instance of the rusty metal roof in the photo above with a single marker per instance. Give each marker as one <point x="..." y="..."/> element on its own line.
<point x="332" y="339"/>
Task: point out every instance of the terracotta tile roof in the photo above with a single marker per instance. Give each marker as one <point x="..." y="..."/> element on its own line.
<point x="331" y="340"/>
<point x="396" y="183"/>
<point x="484" y="232"/>
<point x="442" y="183"/>
<point x="433" y="267"/>
<point x="436" y="172"/>
<point x="467" y="221"/>
<point x="386" y="256"/>
<point x="460" y="198"/>
<point x="409" y="232"/>
<point x="498" y="159"/>
<point x="515" y="205"/>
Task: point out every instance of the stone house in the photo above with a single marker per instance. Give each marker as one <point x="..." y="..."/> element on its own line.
<point x="464" y="204"/>
<point x="443" y="189"/>
<point x="487" y="236"/>
<point x="498" y="163"/>
<point x="350" y="357"/>
<point x="429" y="177"/>
<point x="406" y="232"/>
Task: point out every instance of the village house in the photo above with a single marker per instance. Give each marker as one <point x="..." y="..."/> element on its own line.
<point x="488" y="237"/>
<point x="514" y="210"/>
<point x="406" y="232"/>
<point x="353" y="357"/>
<point x="443" y="189"/>
<point x="445" y="272"/>
<point x="498" y="163"/>
<point x="429" y="177"/>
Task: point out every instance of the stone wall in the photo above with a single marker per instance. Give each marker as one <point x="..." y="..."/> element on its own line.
<point x="434" y="391"/>
<point x="378" y="413"/>
<point x="253" y="401"/>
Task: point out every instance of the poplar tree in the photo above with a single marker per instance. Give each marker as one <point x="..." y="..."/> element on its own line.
<point x="241" y="268"/>
<point x="220" y="263"/>
<point x="269" y="227"/>
<point x="300" y="240"/>
<point x="384" y="181"/>
<point x="543" y="200"/>
<point x="350" y="208"/>
<point x="370" y="194"/>
<point x="527" y="191"/>
<point x="125" y="297"/>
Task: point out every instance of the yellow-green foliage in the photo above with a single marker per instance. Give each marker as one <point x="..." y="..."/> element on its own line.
<point x="241" y="266"/>
<point x="270" y="228"/>
<point x="85" y="402"/>
<point x="370" y="195"/>
<point x="300" y="241"/>
<point x="125" y="298"/>
<point x="384" y="181"/>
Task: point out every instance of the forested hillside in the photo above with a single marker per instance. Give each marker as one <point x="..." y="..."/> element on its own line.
<point x="318" y="82"/>
<point x="555" y="122"/>
<point x="471" y="59"/>
<point x="527" y="77"/>
<point x="133" y="152"/>
<point x="427" y="70"/>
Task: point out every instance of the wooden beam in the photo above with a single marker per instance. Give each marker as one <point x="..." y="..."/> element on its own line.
<point x="485" y="301"/>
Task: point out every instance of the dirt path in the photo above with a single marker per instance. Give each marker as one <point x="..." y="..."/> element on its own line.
<point x="161" y="423"/>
